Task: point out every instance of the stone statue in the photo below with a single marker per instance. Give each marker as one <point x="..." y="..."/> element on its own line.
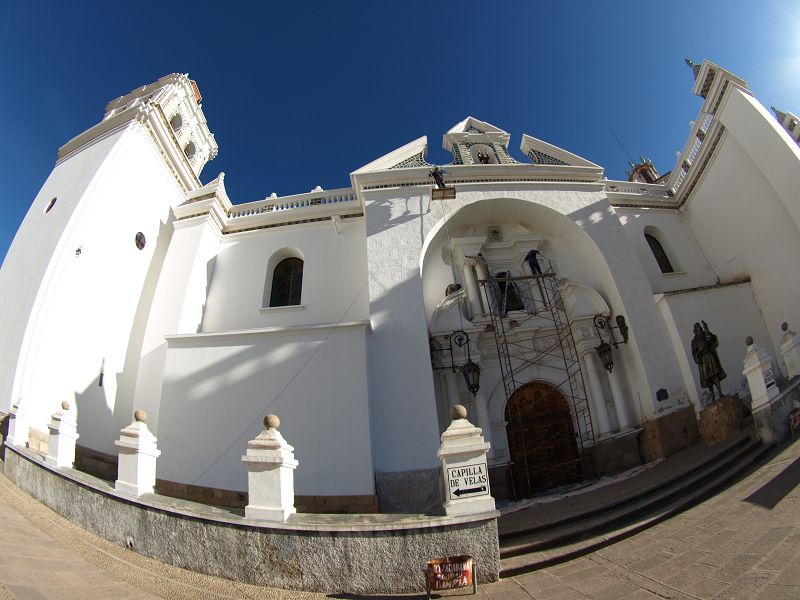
<point x="704" y="353"/>
<point x="436" y="173"/>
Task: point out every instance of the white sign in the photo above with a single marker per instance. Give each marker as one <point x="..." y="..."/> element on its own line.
<point x="468" y="481"/>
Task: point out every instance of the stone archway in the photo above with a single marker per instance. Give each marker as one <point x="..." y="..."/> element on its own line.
<point x="541" y="439"/>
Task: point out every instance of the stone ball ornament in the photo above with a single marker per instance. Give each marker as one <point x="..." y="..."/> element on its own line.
<point x="272" y="422"/>
<point x="748" y="340"/>
<point x="459" y="411"/>
<point x="140" y="416"/>
<point x="65" y="405"/>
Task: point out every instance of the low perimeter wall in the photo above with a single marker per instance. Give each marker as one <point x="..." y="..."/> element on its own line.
<point x="363" y="554"/>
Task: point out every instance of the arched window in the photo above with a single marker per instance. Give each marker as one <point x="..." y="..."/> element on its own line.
<point x="287" y="283"/>
<point x="660" y="255"/>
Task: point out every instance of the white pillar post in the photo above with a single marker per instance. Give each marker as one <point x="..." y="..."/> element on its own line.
<point x="136" y="471"/>
<point x="600" y="413"/>
<point x="63" y="434"/>
<point x="760" y="378"/>
<point x="270" y="474"/>
<point x="17" y="425"/>
<point x="453" y="396"/>
<point x="790" y="351"/>
<point x="472" y="287"/>
<point x="464" y="468"/>
<point x="619" y="401"/>
<point x="482" y="272"/>
<point x="482" y="416"/>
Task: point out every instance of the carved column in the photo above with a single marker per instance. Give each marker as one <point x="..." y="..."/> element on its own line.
<point x="451" y="379"/>
<point x="472" y="287"/>
<point x="483" y="274"/>
<point x="600" y="413"/>
<point x="619" y="401"/>
<point x="482" y="416"/>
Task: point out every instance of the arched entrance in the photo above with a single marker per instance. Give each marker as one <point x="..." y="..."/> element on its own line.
<point x="541" y="439"/>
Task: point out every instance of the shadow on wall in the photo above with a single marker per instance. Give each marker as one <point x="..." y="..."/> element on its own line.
<point x="379" y="213"/>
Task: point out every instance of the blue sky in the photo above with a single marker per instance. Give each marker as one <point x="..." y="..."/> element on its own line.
<point x="301" y="94"/>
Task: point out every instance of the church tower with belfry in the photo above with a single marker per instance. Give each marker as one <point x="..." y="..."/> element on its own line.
<point x="83" y="263"/>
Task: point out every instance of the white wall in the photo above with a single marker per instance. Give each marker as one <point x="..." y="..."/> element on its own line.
<point x="38" y="245"/>
<point x="334" y="277"/>
<point x="746" y="210"/>
<point x="88" y="304"/>
<point x="692" y="269"/>
<point x="732" y="314"/>
<point x="217" y="389"/>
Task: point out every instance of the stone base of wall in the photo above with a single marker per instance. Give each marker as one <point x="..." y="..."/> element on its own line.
<point x="500" y="482"/>
<point x="38" y="440"/>
<point x="664" y="436"/>
<point x="3" y="434"/>
<point x="772" y="420"/>
<point x="338" y="505"/>
<point x="98" y="464"/>
<point x="310" y="552"/>
<point x="419" y="491"/>
<point x="721" y="420"/>
<point x="615" y="454"/>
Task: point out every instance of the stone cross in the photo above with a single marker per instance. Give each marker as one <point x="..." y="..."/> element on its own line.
<point x="138" y="452"/>
<point x="270" y="474"/>
<point x="63" y="434"/>
<point x="465" y="471"/>
<point x="760" y="376"/>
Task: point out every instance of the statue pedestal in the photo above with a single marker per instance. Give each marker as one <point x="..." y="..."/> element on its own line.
<point x="720" y="420"/>
<point x="63" y="434"/>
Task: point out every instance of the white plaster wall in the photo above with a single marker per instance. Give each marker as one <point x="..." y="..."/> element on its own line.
<point x="89" y="305"/>
<point x="732" y="314"/>
<point x="405" y="428"/>
<point x="177" y="305"/>
<point x="334" y="277"/>
<point x="217" y="389"/>
<point x="746" y="210"/>
<point x="33" y="255"/>
<point x="677" y="239"/>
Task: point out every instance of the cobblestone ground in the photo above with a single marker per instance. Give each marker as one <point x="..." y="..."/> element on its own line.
<point x="743" y="543"/>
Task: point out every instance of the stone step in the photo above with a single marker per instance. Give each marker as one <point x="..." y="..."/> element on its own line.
<point x="599" y="533"/>
<point x="548" y="516"/>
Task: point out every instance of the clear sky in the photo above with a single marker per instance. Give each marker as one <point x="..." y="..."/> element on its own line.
<point x="301" y="94"/>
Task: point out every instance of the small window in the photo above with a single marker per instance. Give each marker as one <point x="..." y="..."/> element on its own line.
<point x="287" y="283"/>
<point x="189" y="150"/>
<point x="140" y="240"/>
<point x="660" y="255"/>
<point x="176" y="122"/>
<point x="50" y="206"/>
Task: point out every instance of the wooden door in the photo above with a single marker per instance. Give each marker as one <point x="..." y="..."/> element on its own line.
<point x="541" y="439"/>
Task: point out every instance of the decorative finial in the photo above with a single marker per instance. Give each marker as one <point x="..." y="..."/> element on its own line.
<point x="140" y="416"/>
<point x="749" y="340"/>
<point x="272" y="422"/>
<point x="65" y="405"/>
<point x="688" y="62"/>
<point x="458" y="412"/>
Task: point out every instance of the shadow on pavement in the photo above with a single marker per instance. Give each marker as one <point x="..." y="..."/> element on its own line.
<point x="769" y="494"/>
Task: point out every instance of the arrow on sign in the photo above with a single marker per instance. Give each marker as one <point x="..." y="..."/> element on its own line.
<point x="459" y="492"/>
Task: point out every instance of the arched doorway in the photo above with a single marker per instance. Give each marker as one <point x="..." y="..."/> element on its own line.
<point x="541" y="439"/>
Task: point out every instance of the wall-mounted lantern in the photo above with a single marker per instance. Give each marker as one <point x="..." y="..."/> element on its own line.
<point x="470" y="370"/>
<point x="601" y="324"/>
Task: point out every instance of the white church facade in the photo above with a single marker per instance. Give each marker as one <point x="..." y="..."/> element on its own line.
<point x="359" y="315"/>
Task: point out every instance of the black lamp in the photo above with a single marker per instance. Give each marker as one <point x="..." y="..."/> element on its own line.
<point x="472" y="374"/>
<point x="604" y="351"/>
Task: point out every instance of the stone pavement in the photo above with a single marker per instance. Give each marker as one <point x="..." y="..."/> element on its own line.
<point x="743" y="543"/>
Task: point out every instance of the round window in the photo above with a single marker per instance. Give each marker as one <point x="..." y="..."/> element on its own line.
<point x="50" y="205"/>
<point x="140" y="241"/>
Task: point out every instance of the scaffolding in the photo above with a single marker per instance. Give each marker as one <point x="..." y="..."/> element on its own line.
<point x="517" y="306"/>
